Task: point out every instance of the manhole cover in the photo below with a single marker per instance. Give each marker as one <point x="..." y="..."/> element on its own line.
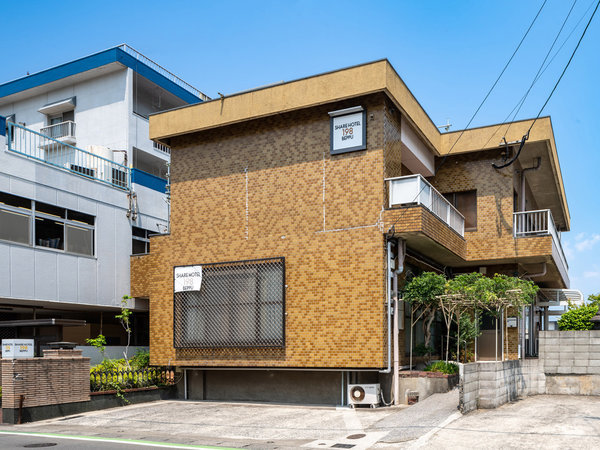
<point x="40" y="445"/>
<point x="356" y="436"/>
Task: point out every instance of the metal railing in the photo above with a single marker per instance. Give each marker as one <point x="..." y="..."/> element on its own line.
<point x="123" y="378"/>
<point x="161" y="147"/>
<point x="164" y="72"/>
<point x="53" y="152"/>
<point x="60" y="130"/>
<point x="538" y="223"/>
<point x="414" y="189"/>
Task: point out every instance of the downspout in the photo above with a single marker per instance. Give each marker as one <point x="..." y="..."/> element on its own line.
<point x="398" y="271"/>
<point x="388" y="276"/>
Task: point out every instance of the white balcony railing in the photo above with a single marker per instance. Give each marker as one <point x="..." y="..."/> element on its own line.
<point x="161" y="147"/>
<point x="59" y="130"/>
<point x="57" y="153"/>
<point x="414" y="189"/>
<point x="538" y="223"/>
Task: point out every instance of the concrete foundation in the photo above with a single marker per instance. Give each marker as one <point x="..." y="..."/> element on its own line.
<point x="425" y="383"/>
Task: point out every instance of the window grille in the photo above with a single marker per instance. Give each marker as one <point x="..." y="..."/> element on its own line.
<point x="239" y="304"/>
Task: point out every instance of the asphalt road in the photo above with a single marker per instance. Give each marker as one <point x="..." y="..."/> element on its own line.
<point x="535" y="422"/>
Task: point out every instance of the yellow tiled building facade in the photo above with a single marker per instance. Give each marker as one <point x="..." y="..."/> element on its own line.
<point x="253" y="177"/>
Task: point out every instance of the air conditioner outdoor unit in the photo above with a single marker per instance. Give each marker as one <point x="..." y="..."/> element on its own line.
<point x="364" y="394"/>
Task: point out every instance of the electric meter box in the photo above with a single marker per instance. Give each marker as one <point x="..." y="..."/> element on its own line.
<point x="17" y="348"/>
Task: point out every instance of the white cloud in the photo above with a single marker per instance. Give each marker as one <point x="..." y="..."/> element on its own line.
<point x="584" y="244"/>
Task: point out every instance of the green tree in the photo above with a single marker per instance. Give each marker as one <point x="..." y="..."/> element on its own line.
<point x="422" y="293"/>
<point x="98" y="342"/>
<point x="125" y="319"/>
<point x="578" y="317"/>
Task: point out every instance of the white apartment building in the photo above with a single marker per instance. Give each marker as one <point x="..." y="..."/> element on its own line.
<point x="81" y="188"/>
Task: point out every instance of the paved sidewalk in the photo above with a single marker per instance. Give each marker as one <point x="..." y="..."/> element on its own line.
<point x="543" y="421"/>
<point x="257" y="426"/>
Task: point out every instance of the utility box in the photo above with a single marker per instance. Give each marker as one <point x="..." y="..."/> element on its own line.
<point x="17" y="348"/>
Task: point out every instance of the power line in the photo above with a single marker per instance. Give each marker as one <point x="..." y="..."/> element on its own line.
<point x="526" y="136"/>
<point x="504" y="122"/>
<point x="482" y="102"/>
<point x="566" y="67"/>
<point x="535" y="78"/>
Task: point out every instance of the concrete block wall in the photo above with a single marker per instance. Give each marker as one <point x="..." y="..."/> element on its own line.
<point x="61" y="376"/>
<point x="490" y="384"/>
<point x="570" y="352"/>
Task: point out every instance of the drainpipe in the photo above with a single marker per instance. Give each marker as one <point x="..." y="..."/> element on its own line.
<point x="388" y="276"/>
<point x="398" y="271"/>
<point x="536" y="167"/>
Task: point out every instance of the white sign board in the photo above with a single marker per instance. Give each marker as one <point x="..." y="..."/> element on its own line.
<point x="348" y="130"/>
<point x="17" y="348"/>
<point x="188" y="278"/>
<point x="511" y="322"/>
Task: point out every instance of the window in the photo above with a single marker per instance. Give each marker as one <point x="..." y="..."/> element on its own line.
<point x="54" y="227"/>
<point x="238" y="305"/>
<point x="140" y="241"/>
<point x="466" y="203"/>
<point x="15" y="218"/>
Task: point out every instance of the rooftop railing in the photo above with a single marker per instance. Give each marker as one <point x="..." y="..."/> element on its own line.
<point x="53" y="152"/>
<point x="414" y="189"/>
<point x="164" y="72"/>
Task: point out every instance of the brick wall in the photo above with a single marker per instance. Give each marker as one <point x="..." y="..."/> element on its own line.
<point x="320" y="212"/>
<point x="61" y="376"/>
<point x="140" y="269"/>
<point x="493" y="239"/>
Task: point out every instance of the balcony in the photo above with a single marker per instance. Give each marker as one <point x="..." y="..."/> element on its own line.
<point x="63" y="132"/>
<point x="541" y="223"/>
<point x="428" y="223"/>
<point x="161" y="148"/>
<point x="415" y="190"/>
<point x="63" y="156"/>
<point x="148" y="180"/>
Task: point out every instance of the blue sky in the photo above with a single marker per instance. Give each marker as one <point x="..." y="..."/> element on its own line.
<point x="448" y="53"/>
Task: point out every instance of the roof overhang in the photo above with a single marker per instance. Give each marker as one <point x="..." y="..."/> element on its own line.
<point x="60" y="106"/>
<point x="90" y="65"/>
<point x="541" y="144"/>
<point x="42" y="323"/>
<point x="356" y="81"/>
<point x="370" y="78"/>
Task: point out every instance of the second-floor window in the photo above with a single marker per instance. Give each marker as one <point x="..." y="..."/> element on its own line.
<point x="42" y="225"/>
<point x="466" y="203"/>
<point x="140" y="241"/>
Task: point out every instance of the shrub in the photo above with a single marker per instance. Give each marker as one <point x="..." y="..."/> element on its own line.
<point x="141" y="360"/>
<point x="578" y="318"/>
<point x="443" y="367"/>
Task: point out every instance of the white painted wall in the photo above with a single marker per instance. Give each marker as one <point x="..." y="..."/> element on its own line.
<point x="34" y="273"/>
<point x="415" y="154"/>
<point x="101" y="111"/>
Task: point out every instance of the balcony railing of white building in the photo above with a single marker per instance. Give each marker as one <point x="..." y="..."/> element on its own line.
<point x="415" y="190"/>
<point x="538" y="223"/>
<point x="51" y="151"/>
<point x="164" y="72"/>
<point x="161" y="147"/>
<point x="60" y="130"/>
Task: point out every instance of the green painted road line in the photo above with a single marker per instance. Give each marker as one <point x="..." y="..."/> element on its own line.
<point x="115" y="440"/>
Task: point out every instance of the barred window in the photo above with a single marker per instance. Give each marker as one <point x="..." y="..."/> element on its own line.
<point x="239" y="304"/>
